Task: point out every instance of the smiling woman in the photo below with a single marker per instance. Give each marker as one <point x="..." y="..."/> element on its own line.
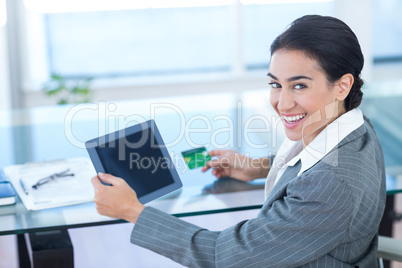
<point x="324" y="72"/>
<point x="325" y="188"/>
<point x="306" y="103"/>
<point x="335" y="54"/>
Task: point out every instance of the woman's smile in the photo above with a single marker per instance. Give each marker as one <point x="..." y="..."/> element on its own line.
<point x="292" y="120"/>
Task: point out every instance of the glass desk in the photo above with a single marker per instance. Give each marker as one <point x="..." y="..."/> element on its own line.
<point x="244" y="122"/>
<point x="60" y="132"/>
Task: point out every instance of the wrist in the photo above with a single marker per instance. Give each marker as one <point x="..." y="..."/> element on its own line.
<point x="135" y="211"/>
<point x="260" y="167"/>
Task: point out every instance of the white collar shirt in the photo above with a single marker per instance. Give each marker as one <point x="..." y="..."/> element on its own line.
<point x="290" y="152"/>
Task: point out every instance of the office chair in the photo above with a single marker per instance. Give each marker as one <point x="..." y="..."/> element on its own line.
<point x="389" y="249"/>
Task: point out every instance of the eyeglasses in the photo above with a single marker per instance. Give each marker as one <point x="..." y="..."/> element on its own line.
<point x="52" y="177"/>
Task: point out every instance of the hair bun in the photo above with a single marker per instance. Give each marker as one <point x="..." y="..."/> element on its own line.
<point x="359" y="82"/>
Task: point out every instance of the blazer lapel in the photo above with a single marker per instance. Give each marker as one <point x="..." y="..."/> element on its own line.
<point x="291" y="172"/>
<point x="280" y="187"/>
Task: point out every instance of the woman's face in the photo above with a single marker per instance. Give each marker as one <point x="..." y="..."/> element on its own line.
<point x="302" y="95"/>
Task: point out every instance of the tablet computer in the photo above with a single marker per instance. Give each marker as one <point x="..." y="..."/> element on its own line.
<point x="138" y="155"/>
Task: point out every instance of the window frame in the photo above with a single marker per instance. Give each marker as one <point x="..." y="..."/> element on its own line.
<point x="22" y="85"/>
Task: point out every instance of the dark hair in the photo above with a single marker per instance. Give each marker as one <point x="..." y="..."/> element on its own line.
<point x="332" y="44"/>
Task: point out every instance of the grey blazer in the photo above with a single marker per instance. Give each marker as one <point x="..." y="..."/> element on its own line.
<point x="326" y="217"/>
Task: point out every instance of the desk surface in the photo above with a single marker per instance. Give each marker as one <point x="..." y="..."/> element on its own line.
<point x="243" y="122"/>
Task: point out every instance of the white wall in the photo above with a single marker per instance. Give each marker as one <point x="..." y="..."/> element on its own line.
<point x="161" y="89"/>
<point x="5" y="101"/>
<point x="357" y="14"/>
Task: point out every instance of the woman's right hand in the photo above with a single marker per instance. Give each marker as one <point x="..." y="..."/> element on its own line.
<point x="230" y="163"/>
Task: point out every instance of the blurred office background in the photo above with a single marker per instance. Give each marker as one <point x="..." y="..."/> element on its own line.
<point x="136" y="49"/>
<point x="160" y="48"/>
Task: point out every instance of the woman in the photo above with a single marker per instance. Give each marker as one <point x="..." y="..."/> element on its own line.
<point x="325" y="189"/>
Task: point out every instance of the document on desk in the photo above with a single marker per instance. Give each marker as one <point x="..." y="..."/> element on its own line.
<point x="49" y="184"/>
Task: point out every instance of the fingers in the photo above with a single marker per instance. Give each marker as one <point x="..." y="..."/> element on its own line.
<point x="214" y="163"/>
<point x="108" y="178"/>
<point x="96" y="182"/>
<point x="205" y="168"/>
<point x="222" y="165"/>
<point x="217" y="152"/>
<point x="217" y="172"/>
<point x="217" y="163"/>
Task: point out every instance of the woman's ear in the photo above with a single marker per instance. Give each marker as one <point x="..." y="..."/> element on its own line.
<point x="344" y="84"/>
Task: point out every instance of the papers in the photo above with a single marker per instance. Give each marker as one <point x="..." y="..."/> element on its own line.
<point x="60" y="191"/>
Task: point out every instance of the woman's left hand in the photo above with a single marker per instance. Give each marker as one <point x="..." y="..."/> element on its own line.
<point x="116" y="201"/>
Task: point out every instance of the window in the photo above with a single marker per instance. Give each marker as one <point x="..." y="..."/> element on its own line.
<point x="151" y="38"/>
<point x="387" y="30"/>
<point x="263" y="23"/>
<point x="3" y="13"/>
<point x="138" y="42"/>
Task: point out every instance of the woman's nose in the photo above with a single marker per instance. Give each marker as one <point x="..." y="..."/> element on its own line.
<point x="285" y="101"/>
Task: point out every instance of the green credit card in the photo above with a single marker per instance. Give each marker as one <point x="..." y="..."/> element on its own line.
<point x="197" y="157"/>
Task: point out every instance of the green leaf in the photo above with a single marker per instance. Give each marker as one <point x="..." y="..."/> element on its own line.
<point x="80" y="88"/>
<point x="63" y="101"/>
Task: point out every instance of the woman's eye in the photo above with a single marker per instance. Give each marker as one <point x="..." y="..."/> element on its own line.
<point x="274" y="85"/>
<point x="299" y="86"/>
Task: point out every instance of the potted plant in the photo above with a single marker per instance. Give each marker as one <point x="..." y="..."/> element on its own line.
<point x="68" y="90"/>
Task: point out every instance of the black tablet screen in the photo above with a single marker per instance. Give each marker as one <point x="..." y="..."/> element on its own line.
<point x="139" y="161"/>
